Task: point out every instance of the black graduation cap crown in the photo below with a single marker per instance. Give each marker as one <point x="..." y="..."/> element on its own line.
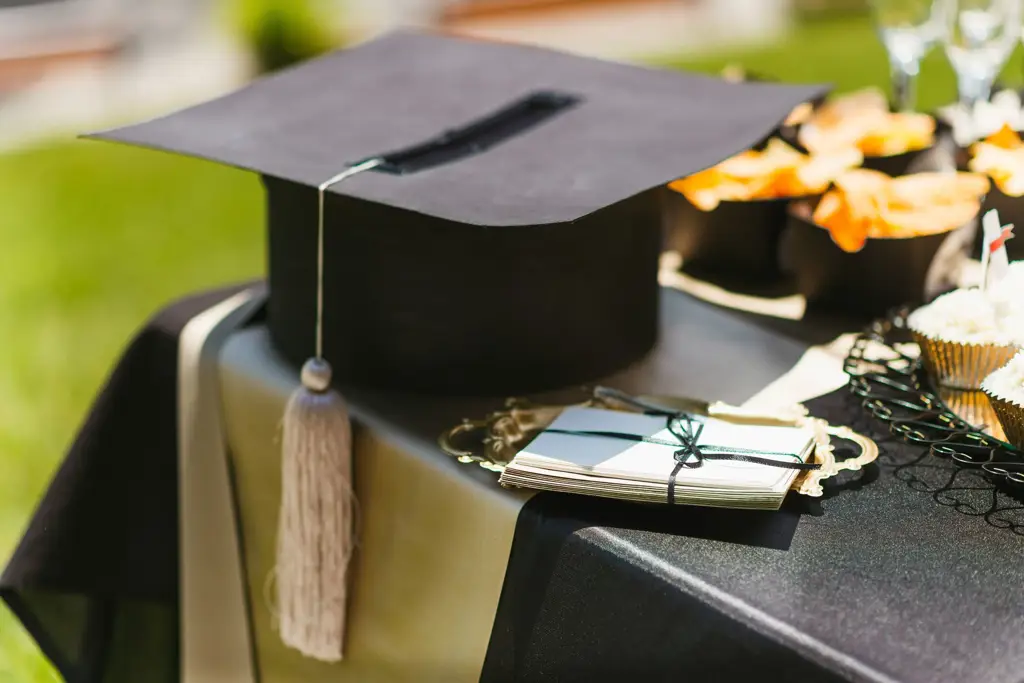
<point x="507" y="237"/>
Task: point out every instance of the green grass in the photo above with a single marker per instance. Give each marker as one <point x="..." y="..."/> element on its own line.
<point x="94" y="237"/>
<point x="845" y="54"/>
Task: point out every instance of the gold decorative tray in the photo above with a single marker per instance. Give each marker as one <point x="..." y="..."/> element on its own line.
<point x="492" y="442"/>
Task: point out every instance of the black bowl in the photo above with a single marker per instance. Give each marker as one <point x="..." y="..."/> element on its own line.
<point x="887" y="272"/>
<point x="893" y="164"/>
<point x="736" y="238"/>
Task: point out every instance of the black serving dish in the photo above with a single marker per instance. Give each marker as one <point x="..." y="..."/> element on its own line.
<point x="894" y="164"/>
<point x="917" y="160"/>
<point x="736" y="238"/>
<point x="887" y="272"/>
<point x="891" y="164"/>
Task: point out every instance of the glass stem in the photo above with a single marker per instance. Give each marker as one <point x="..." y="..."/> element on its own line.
<point x="972" y="89"/>
<point x="904" y="84"/>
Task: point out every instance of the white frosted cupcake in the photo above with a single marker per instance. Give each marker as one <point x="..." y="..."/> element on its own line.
<point x="965" y="336"/>
<point x="1010" y="291"/>
<point x="1005" y="391"/>
<point x="1008" y="297"/>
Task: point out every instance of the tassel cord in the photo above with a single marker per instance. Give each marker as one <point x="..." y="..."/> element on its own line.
<point x="316" y="526"/>
<point x="321" y="189"/>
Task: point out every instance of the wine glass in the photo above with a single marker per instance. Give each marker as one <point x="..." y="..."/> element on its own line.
<point x="908" y="29"/>
<point x="979" y="37"/>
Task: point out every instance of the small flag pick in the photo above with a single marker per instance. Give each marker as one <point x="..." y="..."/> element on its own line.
<point x="994" y="261"/>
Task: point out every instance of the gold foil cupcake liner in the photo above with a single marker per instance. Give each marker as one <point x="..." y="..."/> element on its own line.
<point x="959" y="365"/>
<point x="974" y="408"/>
<point x="1011" y="417"/>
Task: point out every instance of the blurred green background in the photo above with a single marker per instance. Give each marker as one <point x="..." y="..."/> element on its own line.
<point x="95" y="237"/>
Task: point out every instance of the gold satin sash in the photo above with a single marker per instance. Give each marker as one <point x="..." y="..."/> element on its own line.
<point x="434" y="538"/>
<point x="215" y="639"/>
<point x="434" y="535"/>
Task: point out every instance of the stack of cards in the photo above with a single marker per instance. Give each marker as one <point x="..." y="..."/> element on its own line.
<point x="629" y="469"/>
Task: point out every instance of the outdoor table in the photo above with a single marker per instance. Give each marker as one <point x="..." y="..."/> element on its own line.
<point x="896" y="574"/>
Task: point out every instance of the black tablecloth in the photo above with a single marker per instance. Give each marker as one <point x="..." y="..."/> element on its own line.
<point x="95" y="577"/>
<point x="907" y="571"/>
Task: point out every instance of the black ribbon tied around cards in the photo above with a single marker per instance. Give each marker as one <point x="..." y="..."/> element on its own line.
<point x="689" y="452"/>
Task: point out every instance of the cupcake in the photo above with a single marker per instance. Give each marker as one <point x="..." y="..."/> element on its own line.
<point x="965" y="336"/>
<point x="1007" y="296"/>
<point x="1010" y="290"/>
<point x="1005" y="391"/>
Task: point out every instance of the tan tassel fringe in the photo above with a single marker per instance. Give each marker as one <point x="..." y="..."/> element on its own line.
<point x="315" y="531"/>
<point x="315" y="534"/>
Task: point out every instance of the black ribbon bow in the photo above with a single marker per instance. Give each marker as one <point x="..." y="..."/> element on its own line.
<point x="689" y="453"/>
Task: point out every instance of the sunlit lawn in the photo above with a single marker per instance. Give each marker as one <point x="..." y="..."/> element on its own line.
<point x="94" y="237"/>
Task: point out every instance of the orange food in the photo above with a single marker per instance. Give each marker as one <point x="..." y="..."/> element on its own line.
<point x="862" y="120"/>
<point x="901" y="132"/>
<point x="1006" y="137"/>
<point x="1001" y="157"/>
<point x="801" y="113"/>
<point x="777" y="171"/>
<point x="868" y="204"/>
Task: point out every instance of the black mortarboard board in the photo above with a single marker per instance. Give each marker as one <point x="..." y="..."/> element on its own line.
<point x="509" y="238"/>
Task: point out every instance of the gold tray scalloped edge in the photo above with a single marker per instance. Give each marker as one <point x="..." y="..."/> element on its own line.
<point x="504" y="433"/>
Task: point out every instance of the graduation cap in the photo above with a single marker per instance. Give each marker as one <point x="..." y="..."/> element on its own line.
<point x="508" y="239"/>
<point x="490" y="220"/>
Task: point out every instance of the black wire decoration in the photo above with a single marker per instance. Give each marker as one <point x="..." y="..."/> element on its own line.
<point x="960" y="464"/>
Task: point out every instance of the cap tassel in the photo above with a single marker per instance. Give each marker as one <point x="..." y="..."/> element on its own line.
<point x="316" y="528"/>
<point x="315" y="533"/>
